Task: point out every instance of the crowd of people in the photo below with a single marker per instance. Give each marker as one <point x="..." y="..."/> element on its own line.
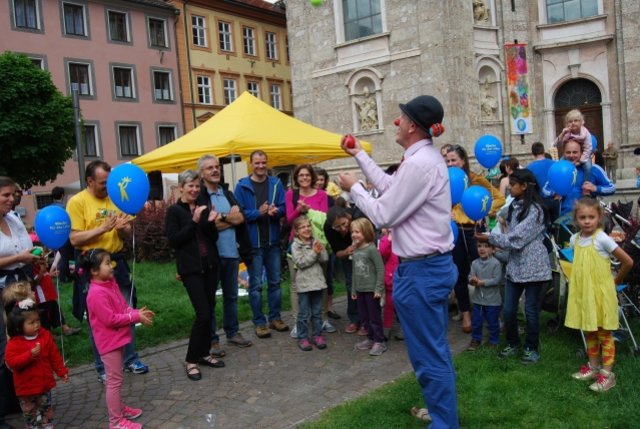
<point x="395" y="245"/>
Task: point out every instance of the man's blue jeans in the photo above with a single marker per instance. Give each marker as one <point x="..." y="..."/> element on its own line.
<point x="269" y="258"/>
<point x="228" y="274"/>
<point x="512" y="293"/>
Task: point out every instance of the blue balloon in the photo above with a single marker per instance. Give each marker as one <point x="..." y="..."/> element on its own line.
<point x="458" y="181"/>
<point x="454" y="229"/>
<point x="53" y="226"/>
<point x="562" y="177"/>
<point x="476" y="202"/>
<point x="594" y="143"/>
<point x="128" y="188"/>
<point x="488" y="151"/>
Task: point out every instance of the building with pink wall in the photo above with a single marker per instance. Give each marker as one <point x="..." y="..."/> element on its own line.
<point x="121" y="55"/>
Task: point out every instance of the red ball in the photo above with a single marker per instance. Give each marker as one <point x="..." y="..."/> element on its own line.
<point x="350" y="141"/>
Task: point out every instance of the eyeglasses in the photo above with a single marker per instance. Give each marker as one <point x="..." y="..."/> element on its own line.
<point x="341" y="226"/>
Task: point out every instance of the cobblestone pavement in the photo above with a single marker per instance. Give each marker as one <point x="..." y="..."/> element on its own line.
<point x="268" y="385"/>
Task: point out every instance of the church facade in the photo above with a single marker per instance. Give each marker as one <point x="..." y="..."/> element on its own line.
<point x="508" y="68"/>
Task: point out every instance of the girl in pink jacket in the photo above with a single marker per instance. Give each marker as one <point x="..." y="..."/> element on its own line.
<point x="391" y="262"/>
<point x="110" y="319"/>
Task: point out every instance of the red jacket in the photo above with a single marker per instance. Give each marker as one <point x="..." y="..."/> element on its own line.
<point x="34" y="376"/>
<point x="45" y="290"/>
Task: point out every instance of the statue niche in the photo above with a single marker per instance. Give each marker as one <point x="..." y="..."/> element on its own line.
<point x="480" y="12"/>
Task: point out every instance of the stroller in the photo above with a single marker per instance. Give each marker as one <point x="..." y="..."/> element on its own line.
<point x="563" y="257"/>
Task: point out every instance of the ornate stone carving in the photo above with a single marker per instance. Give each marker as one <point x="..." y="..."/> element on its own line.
<point x="367" y="111"/>
<point x="488" y="103"/>
<point x="480" y="12"/>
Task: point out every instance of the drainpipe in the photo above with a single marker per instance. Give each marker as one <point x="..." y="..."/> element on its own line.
<point x="175" y="37"/>
<point x="186" y="39"/>
<point x="622" y="75"/>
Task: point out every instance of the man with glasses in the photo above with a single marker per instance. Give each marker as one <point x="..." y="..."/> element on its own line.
<point x="416" y="203"/>
<point x="336" y="230"/>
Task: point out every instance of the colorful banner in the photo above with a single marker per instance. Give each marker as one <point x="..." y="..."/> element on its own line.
<point x="518" y="88"/>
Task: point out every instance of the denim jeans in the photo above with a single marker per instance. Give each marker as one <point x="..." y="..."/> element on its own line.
<point x="310" y="306"/>
<point x="490" y="313"/>
<point x="512" y="293"/>
<point x="269" y="257"/>
<point x="228" y="275"/>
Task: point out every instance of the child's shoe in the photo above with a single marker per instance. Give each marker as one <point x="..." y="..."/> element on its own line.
<point x="351" y="328"/>
<point x="529" y="357"/>
<point x="305" y="345"/>
<point x="587" y="372"/>
<point x="508" y="351"/>
<point x="131" y="413"/>
<point x="364" y="344"/>
<point x="473" y="346"/>
<point x="125" y="424"/>
<point x="363" y="331"/>
<point x="377" y="349"/>
<point x="320" y="342"/>
<point x="605" y="380"/>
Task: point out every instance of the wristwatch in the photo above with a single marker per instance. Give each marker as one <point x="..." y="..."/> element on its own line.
<point x="224" y="217"/>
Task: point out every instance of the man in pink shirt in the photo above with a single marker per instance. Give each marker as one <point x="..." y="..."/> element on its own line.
<point x="416" y="203"/>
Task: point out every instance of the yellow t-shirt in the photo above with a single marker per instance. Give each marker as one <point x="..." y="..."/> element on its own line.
<point x="459" y="215"/>
<point x="88" y="212"/>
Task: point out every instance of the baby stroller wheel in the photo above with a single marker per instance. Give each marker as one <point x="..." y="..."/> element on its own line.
<point x="636" y="352"/>
<point x="581" y="354"/>
<point x="553" y="325"/>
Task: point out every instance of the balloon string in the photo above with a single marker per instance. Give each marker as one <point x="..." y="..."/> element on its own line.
<point x="133" y="264"/>
<point x="60" y="317"/>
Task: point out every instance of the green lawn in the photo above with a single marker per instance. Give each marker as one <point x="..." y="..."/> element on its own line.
<point x="495" y="393"/>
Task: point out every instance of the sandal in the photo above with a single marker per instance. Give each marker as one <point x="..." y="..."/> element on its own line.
<point x="212" y="362"/>
<point x="193" y="372"/>
<point x="421" y="414"/>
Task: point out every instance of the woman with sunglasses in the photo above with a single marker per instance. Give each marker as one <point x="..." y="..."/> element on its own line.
<point x="465" y="250"/>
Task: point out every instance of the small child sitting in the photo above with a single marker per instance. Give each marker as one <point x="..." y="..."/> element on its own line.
<point x="485" y="275"/>
<point x="575" y="130"/>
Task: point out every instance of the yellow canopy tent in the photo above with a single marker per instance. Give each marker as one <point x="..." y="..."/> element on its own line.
<point x="246" y="125"/>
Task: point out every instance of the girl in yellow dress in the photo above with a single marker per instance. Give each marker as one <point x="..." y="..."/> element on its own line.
<point x="592" y="305"/>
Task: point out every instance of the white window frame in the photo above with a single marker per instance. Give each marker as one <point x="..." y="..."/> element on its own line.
<point x="96" y="141"/>
<point x="25" y="6"/>
<point x="271" y="45"/>
<point x="166" y="94"/>
<point x="38" y="62"/>
<point x="85" y="31"/>
<point x="249" y="39"/>
<point x="204" y="89"/>
<point x="199" y="31"/>
<point x="127" y="38"/>
<point x="137" y="142"/>
<point x="254" y="88"/>
<point x="344" y="20"/>
<point x="120" y="91"/>
<point x="275" y="92"/>
<point x="545" y="11"/>
<point x="230" y="90"/>
<point x="166" y="127"/>
<point x="225" y="36"/>
<point x="86" y="91"/>
<point x="152" y="37"/>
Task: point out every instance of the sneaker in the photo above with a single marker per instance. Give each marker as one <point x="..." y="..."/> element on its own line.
<point x="377" y="349"/>
<point x="102" y="378"/>
<point x="457" y="317"/>
<point x="294" y="332"/>
<point x="320" y="342"/>
<point x="328" y="327"/>
<point x="278" y="325"/>
<point x="351" y="328"/>
<point x="217" y="351"/>
<point x="239" y="341"/>
<point x="605" y="380"/>
<point x="529" y="357"/>
<point x="131" y="413"/>
<point x="262" y="331"/>
<point x="125" y="424"/>
<point x="508" y="351"/>
<point x="587" y="372"/>
<point x="364" y="344"/>
<point x="305" y="345"/>
<point x="363" y="331"/>
<point x="137" y="367"/>
<point x="399" y="335"/>
<point x="473" y="346"/>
